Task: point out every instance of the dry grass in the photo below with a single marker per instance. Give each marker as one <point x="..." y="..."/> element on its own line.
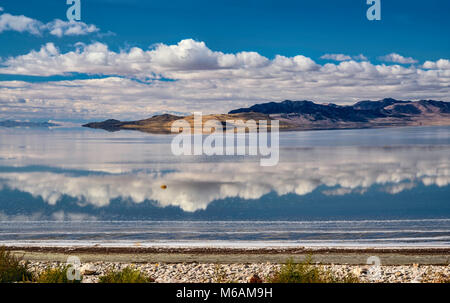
<point x="305" y="272"/>
<point x="12" y="269"/>
<point x="127" y="275"/>
<point x="55" y="275"/>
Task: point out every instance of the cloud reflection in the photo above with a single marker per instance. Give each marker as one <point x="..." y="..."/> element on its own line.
<point x="193" y="186"/>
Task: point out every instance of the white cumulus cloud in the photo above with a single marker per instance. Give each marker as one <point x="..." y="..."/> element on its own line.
<point x="442" y="64"/>
<point x="57" y="27"/>
<point x="396" y="58"/>
<point x="20" y="24"/>
<point x="360" y="57"/>
<point x="61" y="28"/>
<point x="336" y="57"/>
<point x="342" y="57"/>
<point x="134" y="81"/>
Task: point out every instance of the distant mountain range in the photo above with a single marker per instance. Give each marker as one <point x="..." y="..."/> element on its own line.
<point x="307" y="115"/>
<point x="10" y="123"/>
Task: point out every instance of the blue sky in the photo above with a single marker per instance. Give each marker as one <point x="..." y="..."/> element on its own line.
<point x="416" y="28"/>
<point x="412" y="35"/>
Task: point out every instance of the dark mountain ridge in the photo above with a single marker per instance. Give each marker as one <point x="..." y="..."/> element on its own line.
<point x="362" y="111"/>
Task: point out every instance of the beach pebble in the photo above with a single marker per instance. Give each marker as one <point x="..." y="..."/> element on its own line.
<point x="257" y="272"/>
<point x="88" y="269"/>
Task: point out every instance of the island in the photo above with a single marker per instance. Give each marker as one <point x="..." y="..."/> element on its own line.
<point x="13" y="124"/>
<point x="307" y="115"/>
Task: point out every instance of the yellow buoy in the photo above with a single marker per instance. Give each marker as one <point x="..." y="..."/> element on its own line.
<point x="163" y="186"/>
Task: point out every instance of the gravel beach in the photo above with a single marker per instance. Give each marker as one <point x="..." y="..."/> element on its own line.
<point x="241" y="273"/>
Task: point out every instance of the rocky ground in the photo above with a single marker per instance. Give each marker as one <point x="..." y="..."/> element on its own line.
<point x="207" y="272"/>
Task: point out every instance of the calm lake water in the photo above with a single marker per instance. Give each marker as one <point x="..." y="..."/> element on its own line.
<point x="341" y="187"/>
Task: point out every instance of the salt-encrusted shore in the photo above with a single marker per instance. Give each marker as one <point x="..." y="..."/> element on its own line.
<point x="242" y="273"/>
<point x="221" y="255"/>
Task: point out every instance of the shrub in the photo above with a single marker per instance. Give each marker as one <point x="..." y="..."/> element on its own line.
<point x="306" y="273"/>
<point x="255" y="279"/>
<point x="55" y="275"/>
<point x="127" y="275"/>
<point x="12" y="269"/>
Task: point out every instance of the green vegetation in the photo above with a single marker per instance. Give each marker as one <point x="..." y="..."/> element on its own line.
<point x="306" y="273"/>
<point x="55" y="275"/>
<point x="127" y="275"/>
<point x="12" y="269"/>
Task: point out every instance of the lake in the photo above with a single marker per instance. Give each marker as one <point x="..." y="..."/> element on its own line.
<point x="370" y="187"/>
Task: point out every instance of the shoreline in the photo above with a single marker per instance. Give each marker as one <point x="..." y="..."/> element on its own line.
<point x="176" y="255"/>
<point x="229" y="250"/>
